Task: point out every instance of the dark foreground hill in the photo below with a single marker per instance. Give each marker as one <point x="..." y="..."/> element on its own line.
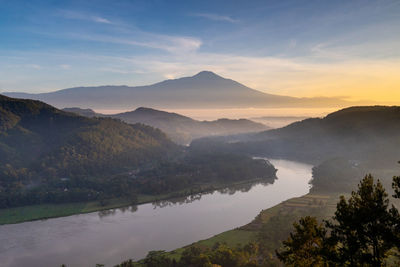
<point x="40" y="144"/>
<point x="362" y="133"/>
<point x="180" y="129"/>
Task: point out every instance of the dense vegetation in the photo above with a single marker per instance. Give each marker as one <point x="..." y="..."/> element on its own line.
<point x="47" y="155"/>
<point x="219" y="255"/>
<point x="368" y="134"/>
<point x="51" y="156"/>
<point x="180" y="129"/>
<point x="336" y="175"/>
<point x="363" y="232"/>
<point x="197" y="169"/>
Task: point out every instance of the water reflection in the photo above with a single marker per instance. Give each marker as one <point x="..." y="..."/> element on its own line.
<point x="111" y="212"/>
<point x="110" y="237"/>
<point x="176" y="201"/>
<point x="229" y="190"/>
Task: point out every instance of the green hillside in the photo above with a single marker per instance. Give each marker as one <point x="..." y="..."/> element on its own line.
<point x="368" y="133"/>
<point x="42" y="147"/>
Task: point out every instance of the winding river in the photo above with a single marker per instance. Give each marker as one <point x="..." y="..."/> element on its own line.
<point x="116" y="235"/>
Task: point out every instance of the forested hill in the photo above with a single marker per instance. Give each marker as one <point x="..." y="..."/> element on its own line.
<point x="179" y="128"/>
<point x="367" y="133"/>
<point x="41" y="144"/>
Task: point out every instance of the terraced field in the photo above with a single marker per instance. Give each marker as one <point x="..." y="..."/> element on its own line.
<point x="322" y="206"/>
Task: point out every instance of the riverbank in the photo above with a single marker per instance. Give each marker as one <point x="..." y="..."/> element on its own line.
<point x="48" y="211"/>
<point x="272" y="222"/>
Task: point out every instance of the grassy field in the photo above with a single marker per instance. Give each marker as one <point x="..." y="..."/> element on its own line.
<point x="46" y="211"/>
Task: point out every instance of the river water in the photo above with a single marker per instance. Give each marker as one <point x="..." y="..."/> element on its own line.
<point x="116" y="235"/>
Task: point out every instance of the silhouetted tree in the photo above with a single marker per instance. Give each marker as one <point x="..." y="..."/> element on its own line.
<point x="363" y="226"/>
<point x="304" y="246"/>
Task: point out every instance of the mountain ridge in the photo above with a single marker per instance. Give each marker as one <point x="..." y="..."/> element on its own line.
<point x="203" y="90"/>
<point x="181" y="129"/>
<point x="368" y="133"/>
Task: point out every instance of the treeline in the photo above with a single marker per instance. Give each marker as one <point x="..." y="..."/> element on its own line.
<point x="336" y="175"/>
<point x="363" y="232"/>
<point x="218" y="255"/>
<point x="192" y="173"/>
<point x="363" y="133"/>
<point x="203" y="168"/>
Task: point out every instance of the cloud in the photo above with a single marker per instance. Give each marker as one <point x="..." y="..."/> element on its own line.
<point x="358" y="78"/>
<point x="69" y="14"/>
<point x="215" y="17"/>
<point x="101" y="20"/>
<point x="65" y="66"/>
<point x="172" y="44"/>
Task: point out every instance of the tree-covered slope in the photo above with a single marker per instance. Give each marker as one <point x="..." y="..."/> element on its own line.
<point x="367" y="133"/>
<point x="41" y="145"/>
<point x="181" y="129"/>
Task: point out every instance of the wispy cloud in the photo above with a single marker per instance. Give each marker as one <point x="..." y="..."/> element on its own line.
<point x="172" y="44"/>
<point x="101" y="20"/>
<point x="357" y="78"/>
<point x="215" y="17"/>
<point x="69" y="14"/>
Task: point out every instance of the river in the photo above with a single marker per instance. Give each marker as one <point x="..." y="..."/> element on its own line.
<point x="116" y="235"/>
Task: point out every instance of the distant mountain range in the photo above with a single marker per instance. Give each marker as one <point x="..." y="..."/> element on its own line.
<point x="179" y="128"/>
<point x="278" y="121"/>
<point x="369" y="133"/>
<point x="203" y="90"/>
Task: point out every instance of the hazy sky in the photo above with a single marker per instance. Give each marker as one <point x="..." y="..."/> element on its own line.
<point x="300" y="48"/>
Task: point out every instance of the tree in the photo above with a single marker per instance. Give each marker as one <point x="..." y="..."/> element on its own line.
<point x="363" y="226"/>
<point x="157" y="259"/>
<point x="395" y="212"/>
<point x="304" y="246"/>
<point x="396" y="186"/>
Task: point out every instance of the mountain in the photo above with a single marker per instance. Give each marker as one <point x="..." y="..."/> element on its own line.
<point x="180" y="129"/>
<point x="32" y="132"/>
<point x="368" y="133"/>
<point x="203" y="90"/>
<point x="39" y="145"/>
<point x="278" y="121"/>
<point x="87" y="112"/>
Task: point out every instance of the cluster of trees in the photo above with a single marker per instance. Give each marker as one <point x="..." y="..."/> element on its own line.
<point x="74" y="189"/>
<point x="336" y="175"/>
<point x="203" y="168"/>
<point x="218" y="255"/>
<point x="364" y="232"/>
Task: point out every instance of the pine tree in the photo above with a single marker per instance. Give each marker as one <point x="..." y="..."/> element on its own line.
<point x="363" y="227"/>
<point x="304" y="247"/>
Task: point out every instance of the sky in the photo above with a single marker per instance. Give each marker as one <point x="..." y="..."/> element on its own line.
<point x="347" y="49"/>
